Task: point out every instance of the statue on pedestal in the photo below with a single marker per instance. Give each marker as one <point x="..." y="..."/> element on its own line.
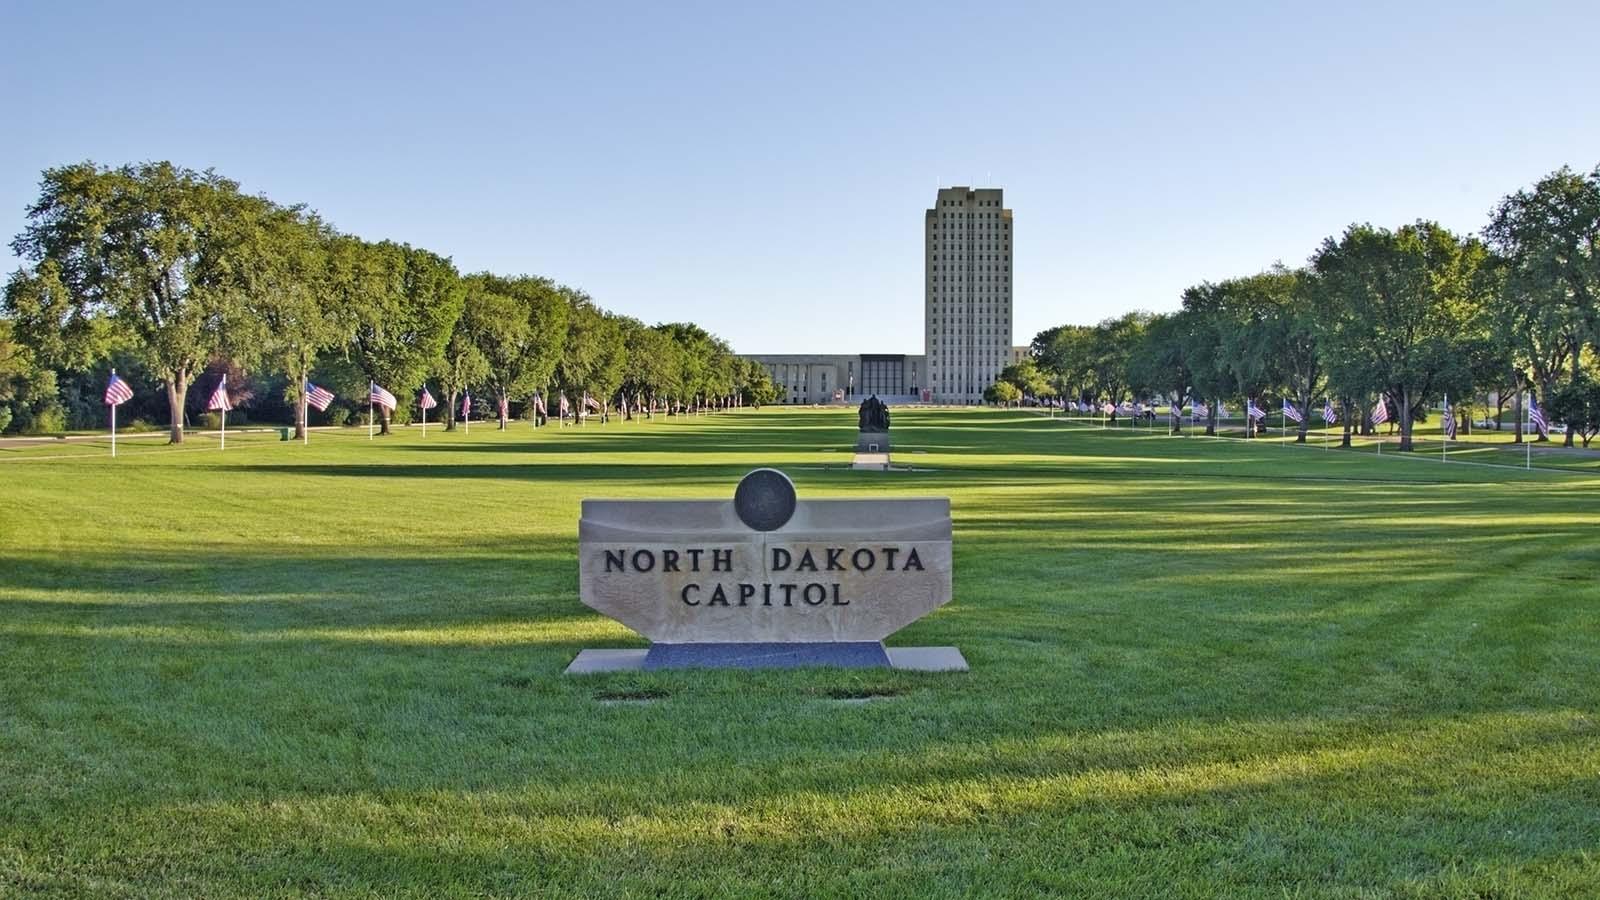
<point x="874" y="416"/>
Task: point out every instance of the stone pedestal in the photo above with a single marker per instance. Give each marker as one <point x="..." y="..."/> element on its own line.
<point x="873" y="442"/>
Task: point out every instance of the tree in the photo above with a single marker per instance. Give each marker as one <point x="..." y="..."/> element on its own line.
<point x="1003" y="393"/>
<point x="1114" y="340"/>
<point x="1577" y="403"/>
<point x="406" y="303"/>
<point x="1065" y="355"/>
<point x="1027" y="379"/>
<point x="153" y="247"/>
<point x="1209" y="365"/>
<point x="1160" y="364"/>
<point x="1398" y="303"/>
<point x="516" y="325"/>
<point x="653" y="364"/>
<point x="1548" y="240"/>
<point x="1283" y="342"/>
<point x="289" y="317"/>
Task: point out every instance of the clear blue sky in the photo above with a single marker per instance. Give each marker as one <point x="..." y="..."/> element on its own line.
<point x="762" y="169"/>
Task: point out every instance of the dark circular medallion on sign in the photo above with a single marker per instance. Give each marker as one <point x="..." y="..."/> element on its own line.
<point x="765" y="499"/>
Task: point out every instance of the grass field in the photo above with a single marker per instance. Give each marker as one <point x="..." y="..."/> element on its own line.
<point x="1199" y="668"/>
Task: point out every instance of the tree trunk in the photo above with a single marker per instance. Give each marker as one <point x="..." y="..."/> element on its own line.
<point x="1305" y="419"/>
<point x="501" y="407"/>
<point x="383" y="419"/>
<point x="450" y="412"/>
<point x="177" y="390"/>
<point x="1344" y="439"/>
<point x="1577" y="376"/>
<point x="1544" y="395"/>
<point x="1405" y="419"/>
<point x="1516" y="407"/>
<point x="300" y="406"/>
<point x="1211" y="419"/>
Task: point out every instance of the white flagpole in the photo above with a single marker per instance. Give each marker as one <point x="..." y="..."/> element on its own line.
<point x="113" y="429"/>
<point x="305" y="413"/>
<point x="424" y="415"/>
<point x="1444" y="445"/>
<point x="370" y="386"/>
<point x="467" y="401"/>
<point x="222" y="438"/>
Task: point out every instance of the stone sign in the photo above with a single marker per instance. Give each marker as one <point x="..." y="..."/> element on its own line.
<point x="765" y="578"/>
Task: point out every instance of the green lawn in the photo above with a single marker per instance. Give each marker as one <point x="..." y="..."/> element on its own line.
<point x="1199" y="668"/>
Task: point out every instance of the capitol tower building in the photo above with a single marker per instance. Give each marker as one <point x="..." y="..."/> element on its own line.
<point x="967" y="292"/>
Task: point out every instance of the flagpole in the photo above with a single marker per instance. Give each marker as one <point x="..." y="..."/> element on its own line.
<point x="370" y="386"/>
<point x="222" y="440"/>
<point x="305" y="414"/>
<point x="424" y="414"/>
<point x="113" y="426"/>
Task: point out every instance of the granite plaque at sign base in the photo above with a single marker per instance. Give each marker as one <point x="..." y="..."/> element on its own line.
<point x="765" y="580"/>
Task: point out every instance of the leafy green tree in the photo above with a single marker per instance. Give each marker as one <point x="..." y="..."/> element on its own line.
<point x="289" y="317"/>
<point x="1002" y="393"/>
<point x="1209" y="365"/>
<point x="653" y="367"/>
<point x="517" y="325"/>
<point x="1548" y="243"/>
<point x="1399" y="302"/>
<point x="1114" y="340"/>
<point x="1066" y="355"/>
<point x="1025" y="376"/>
<point x="153" y="247"/>
<point x="1160" y="363"/>
<point x="406" y="303"/>
<point x="1577" y="403"/>
<point x="1282" y="344"/>
<point x="755" y="384"/>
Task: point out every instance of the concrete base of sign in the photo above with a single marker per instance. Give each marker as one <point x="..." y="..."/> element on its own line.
<point x="768" y="656"/>
<point x="875" y="461"/>
<point x="763" y="655"/>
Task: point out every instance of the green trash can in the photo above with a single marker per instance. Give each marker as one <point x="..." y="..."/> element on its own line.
<point x="285" y="434"/>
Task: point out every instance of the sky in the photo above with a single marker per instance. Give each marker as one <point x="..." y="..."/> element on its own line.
<point x="762" y="168"/>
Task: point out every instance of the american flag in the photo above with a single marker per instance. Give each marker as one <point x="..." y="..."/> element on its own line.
<point x="1536" y="417"/>
<point x="117" y="391"/>
<point x="1291" y="413"/>
<point x="219" y="397"/>
<point x="565" y="407"/>
<point x="426" y="401"/>
<point x="380" y="396"/>
<point x="1200" y="411"/>
<point x="1254" y="411"/>
<point x="589" y="402"/>
<point x="1328" y="413"/>
<point x="466" y="404"/>
<point x="1222" y="410"/>
<point x="1449" y="419"/>
<point x="1108" y="408"/>
<point x="538" y="405"/>
<point x="318" y="397"/>
<point x="505" y="408"/>
<point x="1380" y="412"/>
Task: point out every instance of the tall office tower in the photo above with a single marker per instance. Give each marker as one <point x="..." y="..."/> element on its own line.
<point x="966" y="330"/>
